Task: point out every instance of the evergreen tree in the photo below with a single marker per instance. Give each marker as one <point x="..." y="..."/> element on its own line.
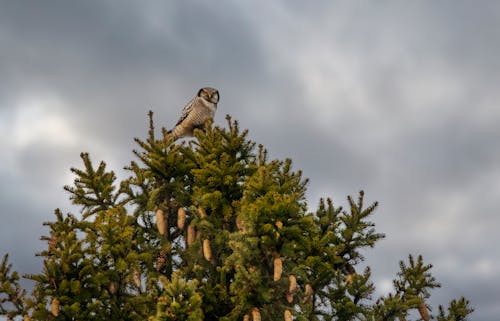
<point x="12" y="296"/>
<point x="210" y="230"/>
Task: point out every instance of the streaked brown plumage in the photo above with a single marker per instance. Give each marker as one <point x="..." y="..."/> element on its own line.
<point x="196" y="113"/>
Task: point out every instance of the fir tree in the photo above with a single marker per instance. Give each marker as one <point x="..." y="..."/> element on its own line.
<point x="211" y="229"/>
<point x="12" y="296"/>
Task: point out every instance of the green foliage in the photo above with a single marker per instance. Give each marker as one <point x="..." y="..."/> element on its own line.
<point x="179" y="301"/>
<point x="412" y="287"/>
<point x="457" y="311"/>
<point x="12" y="296"/>
<point x="210" y="230"/>
<point x="415" y="280"/>
<point x="94" y="189"/>
<point x="390" y="308"/>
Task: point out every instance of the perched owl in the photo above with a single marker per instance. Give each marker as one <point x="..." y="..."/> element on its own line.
<point x="197" y="112"/>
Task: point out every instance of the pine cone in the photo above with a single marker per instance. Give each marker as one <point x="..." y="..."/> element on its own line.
<point x="246" y="317"/>
<point x="160" y="221"/>
<point x="308" y="293"/>
<point x="52" y="281"/>
<point x="161" y="260"/>
<point x="181" y="218"/>
<point x="52" y="243"/>
<point x="137" y="279"/>
<point x="207" y="251"/>
<point x="293" y="284"/>
<point x="292" y="287"/>
<point x="112" y="287"/>
<point x="54" y="307"/>
<point x="239" y="224"/>
<point x="26" y="317"/>
<point x="202" y="212"/>
<point x="256" y="314"/>
<point x="278" y="267"/>
<point x="191" y="233"/>
<point x="288" y="315"/>
<point x="422" y="309"/>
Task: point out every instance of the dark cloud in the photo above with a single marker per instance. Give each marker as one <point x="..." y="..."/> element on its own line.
<point x="396" y="99"/>
<point x="142" y="64"/>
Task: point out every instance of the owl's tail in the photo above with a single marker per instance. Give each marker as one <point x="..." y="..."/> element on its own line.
<point x="175" y="133"/>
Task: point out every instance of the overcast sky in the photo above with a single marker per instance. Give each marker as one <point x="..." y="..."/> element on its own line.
<point x="399" y="99"/>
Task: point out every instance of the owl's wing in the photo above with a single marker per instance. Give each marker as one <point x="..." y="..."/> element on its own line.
<point x="186" y="111"/>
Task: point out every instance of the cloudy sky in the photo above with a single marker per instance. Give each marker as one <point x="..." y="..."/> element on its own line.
<point x="399" y="99"/>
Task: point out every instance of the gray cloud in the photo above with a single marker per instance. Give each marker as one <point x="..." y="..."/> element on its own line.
<point x="397" y="99"/>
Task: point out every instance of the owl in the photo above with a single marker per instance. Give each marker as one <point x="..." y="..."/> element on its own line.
<point x="200" y="109"/>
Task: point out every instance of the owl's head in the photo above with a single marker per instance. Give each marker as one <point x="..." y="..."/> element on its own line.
<point x="209" y="94"/>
